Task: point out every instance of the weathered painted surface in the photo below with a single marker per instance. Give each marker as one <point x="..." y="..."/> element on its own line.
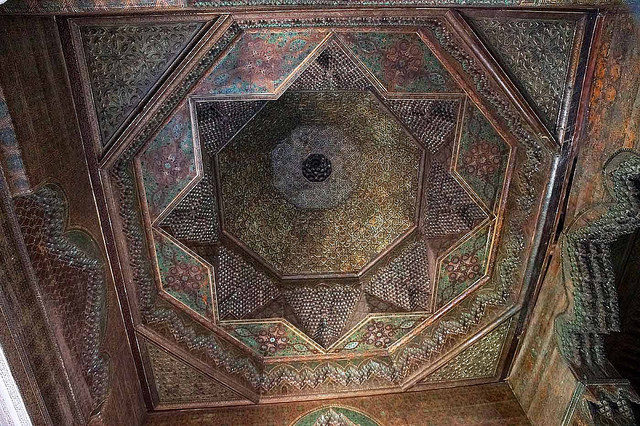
<point x="540" y="377"/>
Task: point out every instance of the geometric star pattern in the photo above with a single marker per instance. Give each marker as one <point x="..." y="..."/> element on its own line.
<point x="285" y="247"/>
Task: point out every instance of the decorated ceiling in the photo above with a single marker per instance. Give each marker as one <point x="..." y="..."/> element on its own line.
<point x="311" y="204"/>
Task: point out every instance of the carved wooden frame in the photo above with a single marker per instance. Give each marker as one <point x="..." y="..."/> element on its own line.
<point x="99" y="162"/>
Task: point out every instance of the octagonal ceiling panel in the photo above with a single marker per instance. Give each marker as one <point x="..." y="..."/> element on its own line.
<point x="339" y="219"/>
<point x="344" y="208"/>
<point x="318" y="193"/>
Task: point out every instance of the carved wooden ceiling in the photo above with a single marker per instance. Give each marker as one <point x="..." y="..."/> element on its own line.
<point x="316" y="203"/>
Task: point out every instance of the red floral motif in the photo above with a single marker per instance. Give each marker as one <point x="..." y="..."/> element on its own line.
<point x="403" y="63"/>
<point x="273" y="339"/>
<point x="482" y="160"/>
<point x="169" y="165"/>
<point x="378" y="334"/>
<point x="186" y="278"/>
<point x="463" y="267"/>
<point x="258" y="63"/>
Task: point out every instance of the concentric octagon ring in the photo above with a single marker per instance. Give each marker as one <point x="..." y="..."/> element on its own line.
<point x="229" y="145"/>
<point x="325" y="205"/>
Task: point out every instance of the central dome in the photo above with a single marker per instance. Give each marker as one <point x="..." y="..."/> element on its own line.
<point x="328" y="182"/>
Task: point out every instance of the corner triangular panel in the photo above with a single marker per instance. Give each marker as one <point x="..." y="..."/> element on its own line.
<point x="178" y="383"/>
<point x="278" y="308"/>
<point x="378" y="306"/>
<point x="535" y="53"/>
<point x="448" y="210"/>
<point x="125" y="61"/>
<point x="218" y="121"/>
<point x="480" y="360"/>
<point x="241" y="288"/>
<point x="323" y="311"/>
<point x="404" y="281"/>
<point x="195" y="218"/>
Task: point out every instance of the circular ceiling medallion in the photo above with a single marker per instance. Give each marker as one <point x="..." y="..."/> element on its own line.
<point x="300" y="152"/>
<point x="316" y="168"/>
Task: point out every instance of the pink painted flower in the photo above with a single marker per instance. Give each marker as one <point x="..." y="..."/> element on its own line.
<point x="378" y="334"/>
<point x="259" y="63"/>
<point x="169" y="165"/>
<point x="464" y="267"/>
<point x="482" y="160"/>
<point x="273" y="339"/>
<point x="402" y="64"/>
<point x="185" y="278"/>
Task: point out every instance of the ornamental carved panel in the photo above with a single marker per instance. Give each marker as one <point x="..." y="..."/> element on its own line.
<point x="320" y="203"/>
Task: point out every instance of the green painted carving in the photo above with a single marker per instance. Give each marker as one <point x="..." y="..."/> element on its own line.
<point x="401" y="62"/>
<point x="334" y="415"/>
<point x="464" y="266"/>
<point x="184" y="277"/>
<point x="380" y="333"/>
<point x="168" y="163"/>
<point x="482" y="156"/>
<point x="272" y="339"/>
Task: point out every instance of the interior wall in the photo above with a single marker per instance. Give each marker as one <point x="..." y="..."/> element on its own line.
<point x="39" y="101"/>
<point x="623" y="347"/>
<point x="540" y="377"/>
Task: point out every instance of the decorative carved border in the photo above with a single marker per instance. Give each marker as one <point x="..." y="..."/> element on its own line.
<point x="105" y="6"/>
<point x="59" y="246"/>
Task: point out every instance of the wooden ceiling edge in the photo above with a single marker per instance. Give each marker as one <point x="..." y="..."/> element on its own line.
<point x="275" y="399"/>
<point x="590" y="44"/>
<point x="458" y="383"/>
<point x="183" y="355"/>
<point x="270" y="8"/>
